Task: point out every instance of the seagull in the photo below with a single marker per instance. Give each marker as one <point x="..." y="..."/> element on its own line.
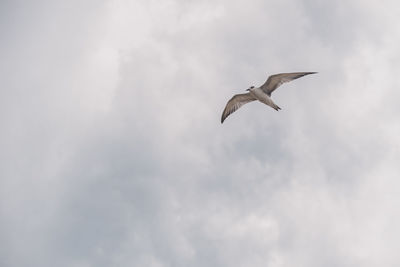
<point x="262" y="93"/>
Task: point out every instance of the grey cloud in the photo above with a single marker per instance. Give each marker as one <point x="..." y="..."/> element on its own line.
<point x="114" y="154"/>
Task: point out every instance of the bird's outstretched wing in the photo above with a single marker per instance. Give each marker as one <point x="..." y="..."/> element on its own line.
<point x="235" y="103"/>
<point x="276" y="80"/>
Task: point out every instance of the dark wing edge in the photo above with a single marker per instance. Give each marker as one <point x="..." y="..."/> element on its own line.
<point x="235" y="103"/>
<point x="276" y="80"/>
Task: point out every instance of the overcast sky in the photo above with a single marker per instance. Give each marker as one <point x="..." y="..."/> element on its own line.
<point x="112" y="152"/>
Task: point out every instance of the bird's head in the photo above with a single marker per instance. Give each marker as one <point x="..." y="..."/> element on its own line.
<point x="251" y="87"/>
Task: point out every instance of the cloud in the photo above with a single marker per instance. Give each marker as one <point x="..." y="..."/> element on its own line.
<point x="113" y="153"/>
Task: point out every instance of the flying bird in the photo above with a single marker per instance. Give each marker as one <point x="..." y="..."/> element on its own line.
<point x="262" y="93"/>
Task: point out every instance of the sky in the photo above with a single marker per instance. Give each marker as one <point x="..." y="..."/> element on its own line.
<point x="113" y="153"/>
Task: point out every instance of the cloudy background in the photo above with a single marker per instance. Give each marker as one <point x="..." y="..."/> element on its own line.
<point x="112" y="152"/>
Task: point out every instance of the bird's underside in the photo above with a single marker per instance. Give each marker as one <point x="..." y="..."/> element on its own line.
<point x="262" y="93"/>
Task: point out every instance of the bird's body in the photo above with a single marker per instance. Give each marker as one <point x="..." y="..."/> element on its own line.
<point x="262" y="93"/>
<point x="261" y="96"/>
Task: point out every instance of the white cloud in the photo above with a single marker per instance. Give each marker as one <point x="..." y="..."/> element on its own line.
<point x="113" y="153"/>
